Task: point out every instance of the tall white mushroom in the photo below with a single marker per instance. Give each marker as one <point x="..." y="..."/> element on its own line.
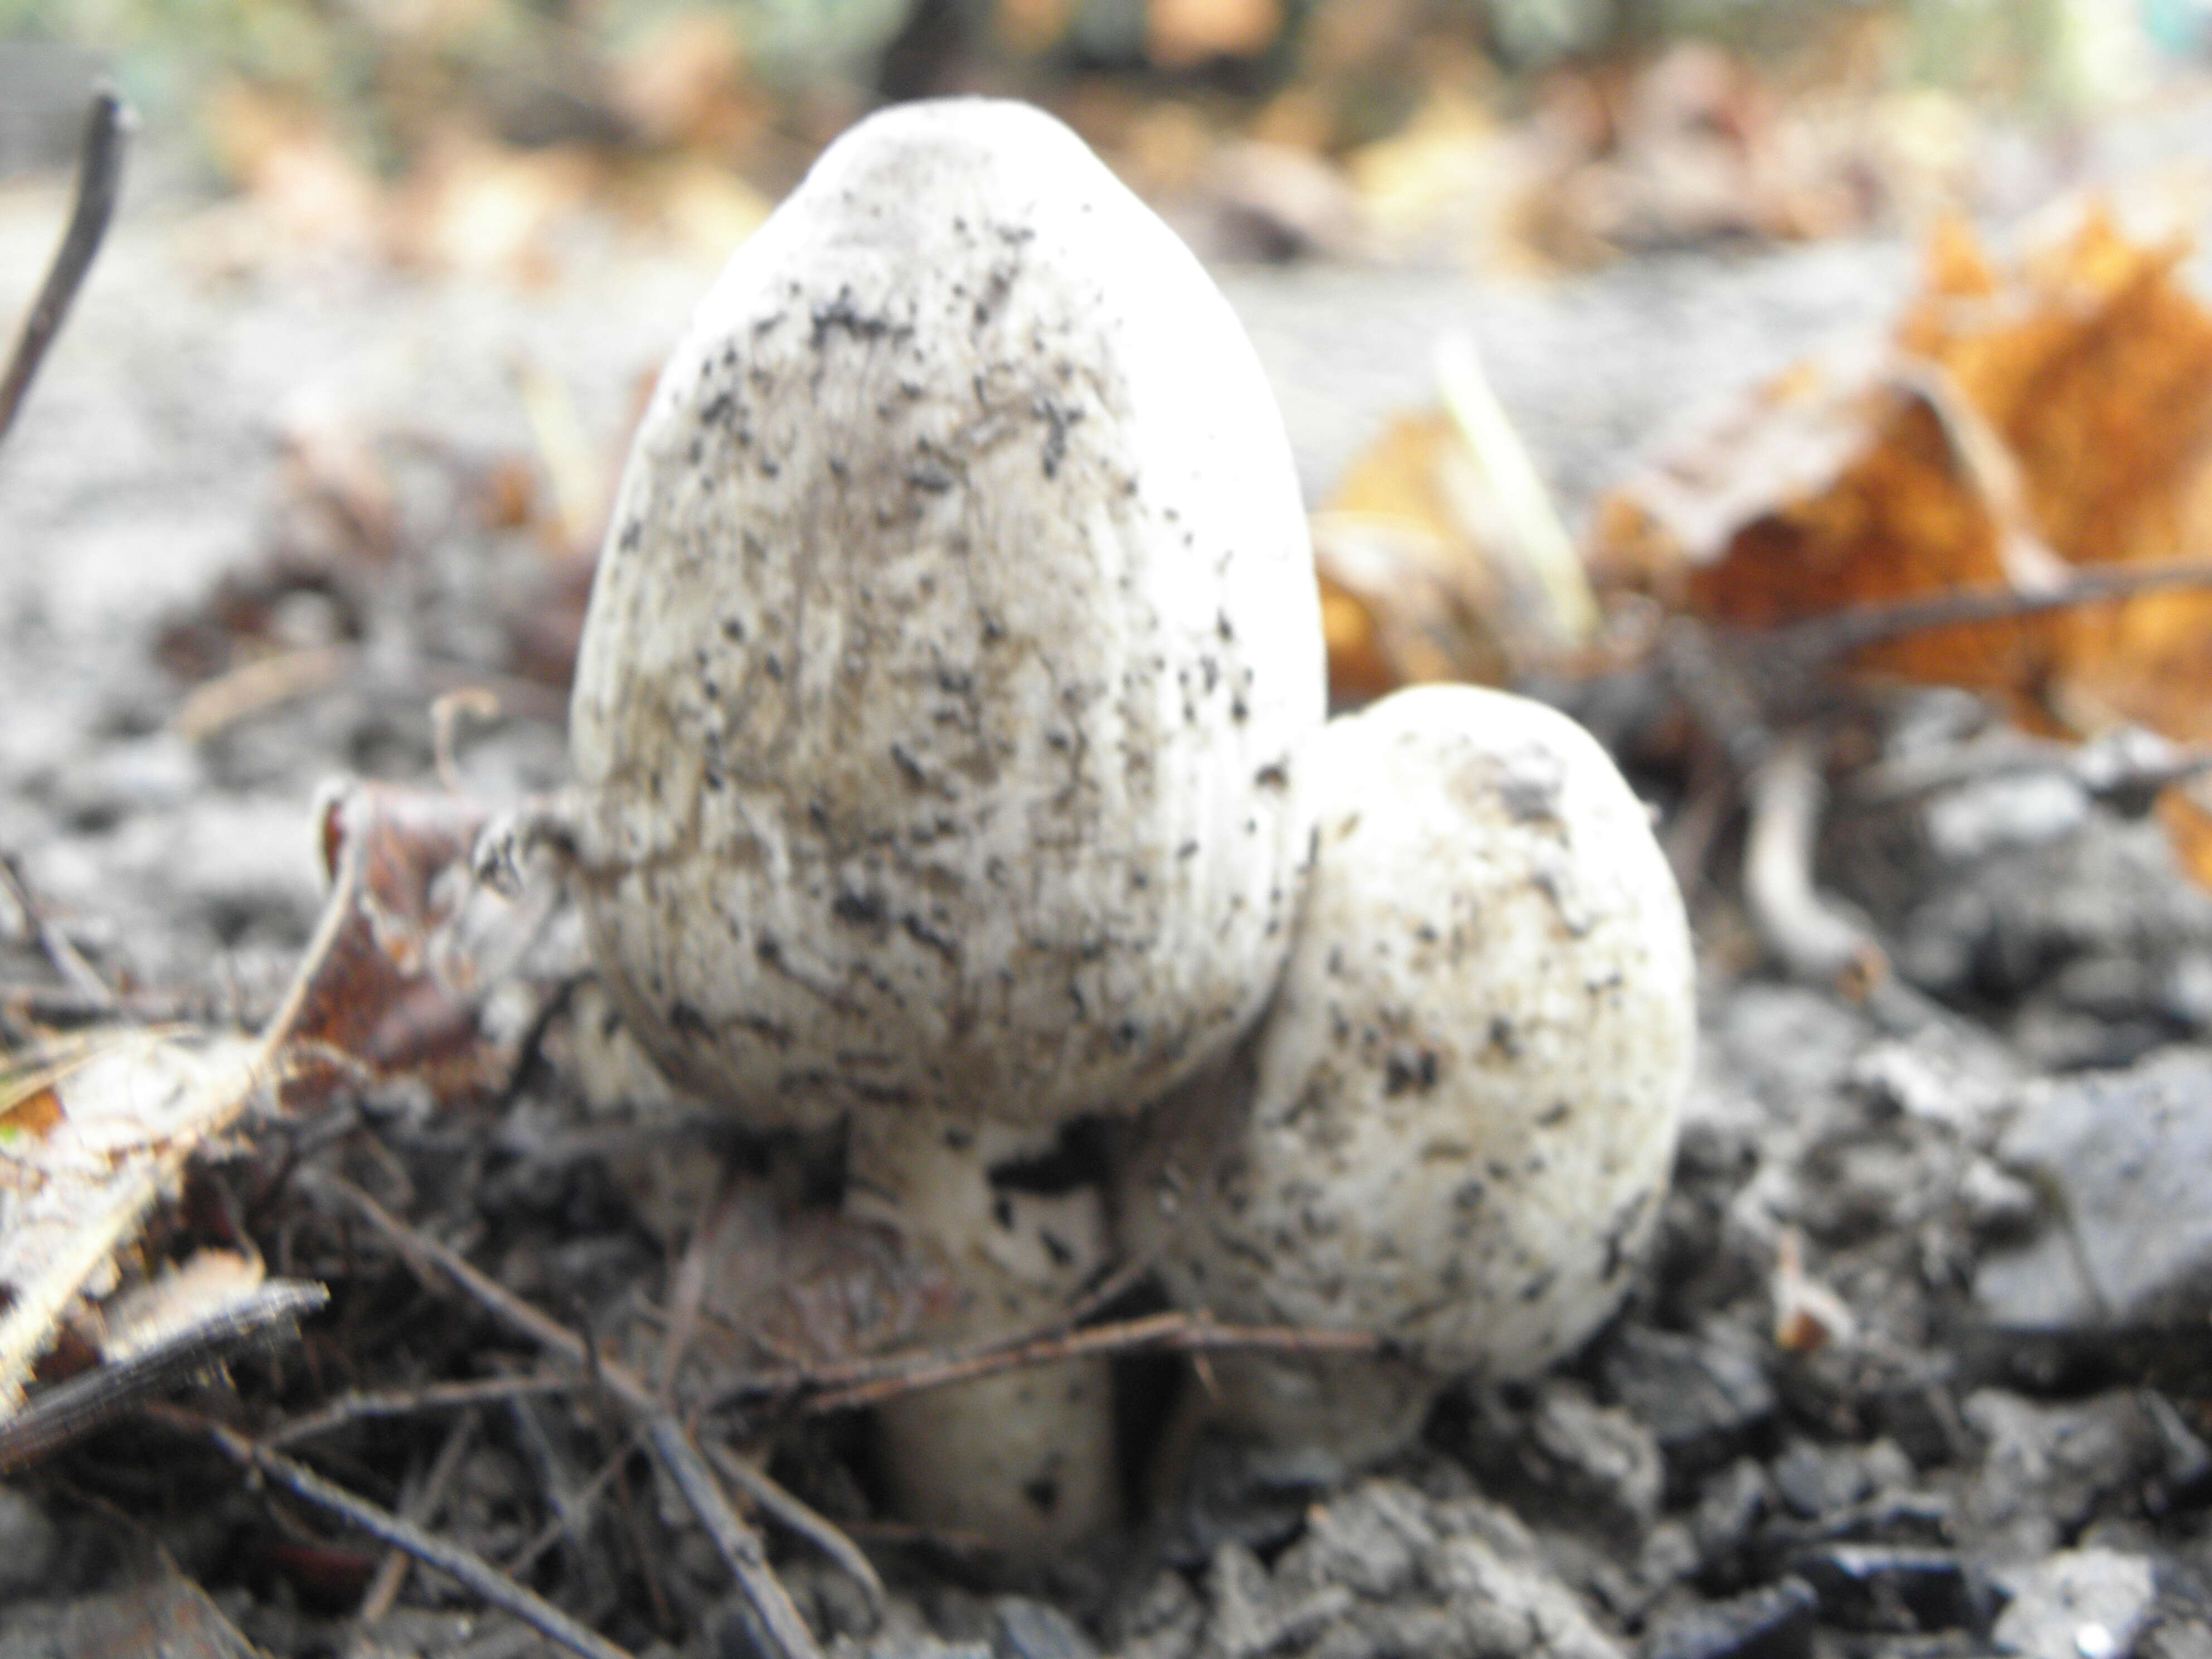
<point x="933" y="721"/>
<point x="1460" y="1114"/>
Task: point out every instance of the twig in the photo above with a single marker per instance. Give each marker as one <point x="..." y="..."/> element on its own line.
<point x="1813" y="940"/>
<point x="427" y="1256"/>
<point x="755" y="1576"/>
<point x="51" y="1419"/>
<point x="62" y="1005"/>
<point x="406" y="1402"/>
<point x="798" y="1516"/>
<point x="1824" y="641"/>
<point x="1171" y="1332"/>
<point x="419" y="1508"/>
<point x="108" y="126"/>
<point x="84" y="978"/>
<point x="557" y="1526"/>
<point x="738" y="1544"/>
<point x="464" y="1566"/>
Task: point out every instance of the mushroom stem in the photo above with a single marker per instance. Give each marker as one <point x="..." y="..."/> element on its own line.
<point x="1025" y="1459"/>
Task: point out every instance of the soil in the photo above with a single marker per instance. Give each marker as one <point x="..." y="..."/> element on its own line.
<point x="1986" y="1426"/>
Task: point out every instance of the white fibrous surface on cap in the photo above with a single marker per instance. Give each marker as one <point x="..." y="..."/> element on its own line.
<point x="934" y="719"/>
<point x="1462" y="1110"/>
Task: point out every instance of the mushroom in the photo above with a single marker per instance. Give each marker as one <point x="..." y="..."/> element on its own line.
<point x="935" y="713"/>
<point x="1455" y="1124"/>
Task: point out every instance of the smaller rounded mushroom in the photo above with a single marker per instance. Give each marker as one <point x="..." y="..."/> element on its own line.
<point x="1455" y="1123"/>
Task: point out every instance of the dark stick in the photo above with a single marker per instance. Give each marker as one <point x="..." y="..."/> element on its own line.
<point x="738" y="1545"/>
<point x="1173" y="1333"/>
<point x="670" y="1440"/>
<point x="404" y="1402"/>
<point x="465" y="1567"/>
<point x="99" y="176"/>
<point x="51" y="1419"/>
<point x="1839" y="634"/>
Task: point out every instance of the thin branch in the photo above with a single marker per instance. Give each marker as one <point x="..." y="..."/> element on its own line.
<point x="738" y="1545"/>
<point x="1168" y="1333"/>
<point x="419" y="1508"/>
<point x="747" y="1562"/>
<point x="59" y="950"/>
<point x="57" y="1415"/>
<point x="1824" y="641"/>
<point x="428" y="1259"/>
<point x="407" y="1402"/>
<point x="798" y="1516"/>
<point x="464" y="1566"/>
<point x="99" y="177"/>
<point x="556" y="1525"/>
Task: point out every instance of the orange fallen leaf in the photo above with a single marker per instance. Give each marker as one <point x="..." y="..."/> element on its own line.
<point x="2027" y="422"/>
<point x="34" y="1115"/>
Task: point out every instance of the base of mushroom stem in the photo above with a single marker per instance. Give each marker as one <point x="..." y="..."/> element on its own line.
<point x="1315" y="1420"/>
<point x="1026" y="1460"/>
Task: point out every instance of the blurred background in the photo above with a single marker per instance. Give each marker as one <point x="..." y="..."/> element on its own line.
<point x="1512" y="134"/>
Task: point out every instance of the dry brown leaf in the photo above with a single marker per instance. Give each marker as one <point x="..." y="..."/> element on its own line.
<point x="99" y="1128"/>
<point x="808" y="1287"/>
<point x="391" y="980"/>
<point x="2028" y="422"/>
<point x="133" y="1107"/>
<point x="1840" y="484"/>
<point x="2184" y="809"/>
<point x="34" y="1116"/>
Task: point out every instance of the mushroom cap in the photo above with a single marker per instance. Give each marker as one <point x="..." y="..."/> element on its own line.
<point x="934" y="718"/>
<point x="1464" y="1105"/>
